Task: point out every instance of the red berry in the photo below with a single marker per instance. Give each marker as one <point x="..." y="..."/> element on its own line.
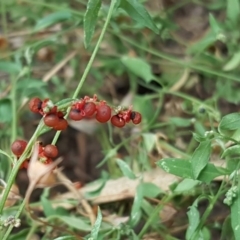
<point x="75" y="115"/>
<point x="89" y="109"/>
<point x="117" y="121"/>
<point x="18" y="147"/>
<point x="25" y="164"/>
<point x="136" y="117"/>
<point x="51" y="120"/>
<point x="61" y="125"/>
<point x="103" y="113"/>
<point x="35" y="105"/>
<point x="50" y="151"/>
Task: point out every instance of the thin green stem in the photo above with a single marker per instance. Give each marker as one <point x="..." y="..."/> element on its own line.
<point x="154" y="215"/>
<point x="14" y="109"/>
<point x="52" y="6"/>
<point x="16" y="167"/>
<point x="20" y="209"/>
<point x="3" y="17"/>
<point x="207" y="212"/>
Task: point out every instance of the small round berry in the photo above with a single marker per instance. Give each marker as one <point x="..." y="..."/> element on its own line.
<point x="18" y="147"/>
<point x="25" y="164"/>
<point x="89" y="109"/>
<point x="62" y="124"/>
<point x="50" y="151"/>
<point x="117" y="121"/>
<point x="75" y="115"/>
<point x="35" y="105"/>
<point x="103" y="113"/>
<point x="136" y="117"/>
<point x="51" y="120"/>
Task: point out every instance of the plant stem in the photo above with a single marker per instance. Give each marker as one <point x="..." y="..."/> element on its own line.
<point x="3" y="17"/>
<point x="89" y="65"/>
<point x="20" y="209"/>
<point x="14" y="109"/>
<point x="207" y="212"/>
<point x="154" y="215"/>
<point x="16" y="167"/>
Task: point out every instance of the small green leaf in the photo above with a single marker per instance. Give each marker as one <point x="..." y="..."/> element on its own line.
<point x="181" y="122"/>
<point x="75" y="222"/>
<point x="10" y="67"/>
<point x="136" y="208"/>
<point x="194" y="220"/>
<point x="232" y="151"/>
<point x="5" y="110"/>
<point x="52" y="19"/>
<point x="90" y="19"/>
<point x="65" y="238"/>
<point x="233" y="62"/>
<point x="126" y="170"/>
<point x="230" y="122"/>
<point x="21" y="235"/>
<point x="200" y="158"/>
<point x="214" y="24"/>
<point x="149" y="140"/>
<point x="5" y="154"/>
<point x="182" y="168"/>
<point x="150" y="190"/>
<point x="96" y="226"/>
<point x="47" y="206"/>
<point x="235" y="219"/>
<point x="138" y="13"/>
<point x="186" y="185"/>
<point x="233" y="12"/>
<point x="139" y="67"/>
<point x="111" y="153"/>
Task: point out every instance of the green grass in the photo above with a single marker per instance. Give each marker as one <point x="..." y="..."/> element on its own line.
<point x="184" y="81"/>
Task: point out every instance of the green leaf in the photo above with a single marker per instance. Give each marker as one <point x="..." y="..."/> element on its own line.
<point x="5" y="110"/>
<point x="194" y="220"/>
<point x="52" y="19"/>
<point x="232" y="151"/>
<point x="233" y="11"/>
<point x="200" y="158"/>
<point x="46" y="204"/>
<point x="235" y="219"/>
<point x="21" y="235"/>
<point x="214" y="24"/>
<point x="149" y="140"/>
<point x="229" y="122"/>
<point x="233" y="62"/>
<point x="139" y="67"/>
<point x="126" y="170"/>
<point x="227" y="232"/>
<point x="182" y="168"/>
<point x="75" y="222"/>
<point x="65" y="238"/>
<point x="10" y="67"/>
<point x="150" y="190"/>
<point x="5" y="154"/>
<point x="90" y="19"/>
<point x="186" y="185"/>
<point x="111" y="153"/>
<point x="96" y="226"/>
<point x="136" y="208"/>
<point x="181" y="122"/>
<point x="138" y="13"/>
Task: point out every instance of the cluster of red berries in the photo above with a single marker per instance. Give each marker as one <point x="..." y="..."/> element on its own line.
<point x="45" y="154"/>
<point x="87" y="107"/>
<point x="84" y="108"/>
<point x="52" y="117"/>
